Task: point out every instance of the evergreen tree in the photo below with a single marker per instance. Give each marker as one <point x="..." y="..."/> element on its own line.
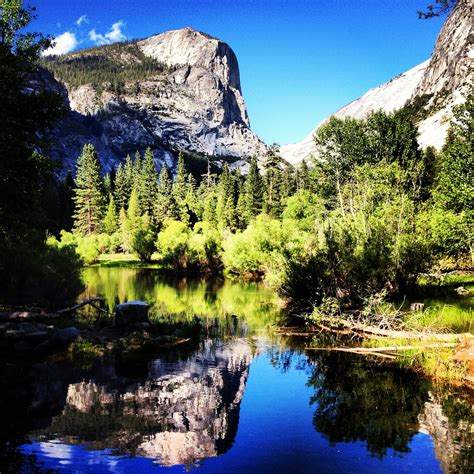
<point x="111" y="223"/>
<point x="147" y="184"/>
<point x="89" y="197"/>
<point x="136" y="171"/>
<point x="253" y="191"/>
<point x="272" y="165"/>
<point x="121" y="188"/>
<point x="288" y="185"/>
<point x="165" y="207"/>
<point x="133" y="211"/>
<point x="226" y="197"/>
<point x="129" y="174"/>
<point x="302" y="176"/>
<point x="180" y="190"/>
<point x="107" y="184"/>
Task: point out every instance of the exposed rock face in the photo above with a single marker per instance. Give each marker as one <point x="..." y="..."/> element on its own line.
<point x="389" y="96"/>
<point x="195" y="104"/>
<point x="438" y="83"/>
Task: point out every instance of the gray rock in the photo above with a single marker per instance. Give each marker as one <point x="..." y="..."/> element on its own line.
<point x="442" y="80"/>
<point x="132" y="312"/>
<point x="67" y="335"/>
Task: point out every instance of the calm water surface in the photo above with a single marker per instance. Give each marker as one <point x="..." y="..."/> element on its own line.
<point x="238" y="400"/>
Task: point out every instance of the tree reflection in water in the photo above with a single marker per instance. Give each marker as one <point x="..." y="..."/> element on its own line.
<point x="357" y="400"/>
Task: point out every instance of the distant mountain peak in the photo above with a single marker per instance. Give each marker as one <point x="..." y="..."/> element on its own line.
<point x="434" y="86"/>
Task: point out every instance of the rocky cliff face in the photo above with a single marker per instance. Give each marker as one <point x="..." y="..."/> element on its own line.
<point x="182" y="92"/>
<point x="436" y="84"/>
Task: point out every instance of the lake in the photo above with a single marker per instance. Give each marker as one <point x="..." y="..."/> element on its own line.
<point x="239" y="399"/>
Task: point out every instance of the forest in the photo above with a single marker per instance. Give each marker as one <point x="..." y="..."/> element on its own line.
<point x="367" y="216"/>
<point x="370" y="214"/>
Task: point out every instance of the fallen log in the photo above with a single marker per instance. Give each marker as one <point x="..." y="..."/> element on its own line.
<point x="390" y="333"/>
<point x="79" y="305"/>
<point x="380" y="350"/>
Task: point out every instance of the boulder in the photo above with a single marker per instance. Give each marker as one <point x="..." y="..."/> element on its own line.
<point x="130" y="313"/>
<point x="67" y="335"/>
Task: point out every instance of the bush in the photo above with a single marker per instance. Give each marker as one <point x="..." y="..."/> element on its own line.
<point x="143" y="241"/>
<point x="172" y="244"/>
<point x="44" y="273"/>
<point x="258" y="249"/>
<point x="88" y="248"/>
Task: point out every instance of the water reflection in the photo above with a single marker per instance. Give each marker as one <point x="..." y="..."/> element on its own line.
<point x="356" y="400"/>
<point x="185" y="410"/>
<point x="235" y="401"/>
<point x="183" y="298"/>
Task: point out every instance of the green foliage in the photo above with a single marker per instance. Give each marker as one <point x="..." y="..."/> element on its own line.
<point x="165" y="207"/>
<point x="29" y="269"/>
<point x="89" y="193"/>
<point x="110" y="66"/>
<point x="259" y="247"/>
<point x="253" y="192"/>
<point x="439" y="8"/>
<point x="143" y="239"/>
<point x="172" y="243"/>
<point x="110" y="224"/>
<point x="88" y="248"/>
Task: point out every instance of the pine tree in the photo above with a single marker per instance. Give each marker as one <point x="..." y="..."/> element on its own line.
<point x="120" y="188"/>
<point x="148" y="184"/>
<point x="253" y="191"/>
<point x="226" y="197"/>
<point x="165" y="207"/>
<point x="111" y="221"/>
<point x="89" y="198"/>
<point x="107" y="184"/>
<point x="136" y="173"/>
<point x="180" y="190"/>
<point x="288" y="183"/>
<point x="302" y="176"/>
<point x="272" y="165"/>
<point x="133" y="211"/>
<point x="129" y="173"/>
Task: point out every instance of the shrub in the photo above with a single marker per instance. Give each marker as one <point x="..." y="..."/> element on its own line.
<point x="172" y="244"/>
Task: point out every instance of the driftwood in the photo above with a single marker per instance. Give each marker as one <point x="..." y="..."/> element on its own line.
<point x="376" y="350"/>
<point x="71" y="309"/>
<point x="27" y="316"/>
<point x="395" y="334"/>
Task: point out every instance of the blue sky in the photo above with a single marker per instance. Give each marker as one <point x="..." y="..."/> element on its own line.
<point x="300" y="60"/>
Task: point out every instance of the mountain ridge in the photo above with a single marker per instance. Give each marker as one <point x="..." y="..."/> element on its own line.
<point x="434" y="87"/>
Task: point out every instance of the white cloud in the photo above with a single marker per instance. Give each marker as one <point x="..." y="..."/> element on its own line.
<point x="62" y="44"/>
<point x="81" y="20"/>
<point x="113" y="35"/>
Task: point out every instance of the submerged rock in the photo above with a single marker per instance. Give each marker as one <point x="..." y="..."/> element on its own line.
<point x="132" y="312"/>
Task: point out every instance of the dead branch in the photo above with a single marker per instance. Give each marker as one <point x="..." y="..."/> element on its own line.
<point x="79" y="305"/>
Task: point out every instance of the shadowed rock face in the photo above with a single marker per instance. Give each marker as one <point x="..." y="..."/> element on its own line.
<point x="450" y="423"/>
<point x="195" y="104"/>
<point x="185" y="411"/>
<point x="438" y="83"/>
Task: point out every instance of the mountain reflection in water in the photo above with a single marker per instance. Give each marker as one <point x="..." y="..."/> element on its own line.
<point x="238" y="400"/>
<point x="185" y="410"/>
